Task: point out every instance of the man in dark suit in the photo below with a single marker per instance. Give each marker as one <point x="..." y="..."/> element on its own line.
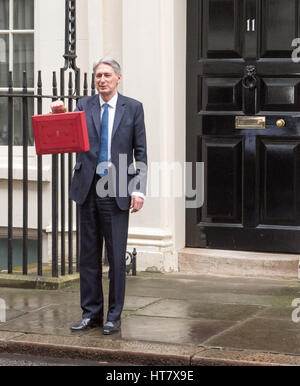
<point x="117" y="137"/>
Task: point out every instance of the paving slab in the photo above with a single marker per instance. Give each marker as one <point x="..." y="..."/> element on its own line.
<point x="283" y="313"/>
<point x="169" y="330"/>
<point x="133" y="303"/>
<point x="194" y="310"/>
<point x="216" y="290"/>
<point x="30" y="300"/>
<point x="226" y="278"/>
<point x="50" y="319"/>
<point x="13" y="314"/>
<point x="264" y="334"/>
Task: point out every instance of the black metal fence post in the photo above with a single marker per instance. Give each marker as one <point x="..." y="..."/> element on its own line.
<point x="62" y="181"/>
<point x="70" y="171"/>
<point x="62" y="215"/>
<point x="25" y="175"/>
<point x="40" y="187"/>
<point x="10" y="175"/>
<point x="134" y="262"/>
<point x="54" y="197"/>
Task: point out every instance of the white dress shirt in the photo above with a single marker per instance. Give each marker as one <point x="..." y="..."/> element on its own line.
<point x="112" y="105"/>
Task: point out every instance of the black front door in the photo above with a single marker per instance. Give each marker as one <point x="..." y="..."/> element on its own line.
<point x="243" y="98"/>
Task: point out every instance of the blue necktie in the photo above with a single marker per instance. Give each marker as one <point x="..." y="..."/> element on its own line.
<point x="103" y="151"/>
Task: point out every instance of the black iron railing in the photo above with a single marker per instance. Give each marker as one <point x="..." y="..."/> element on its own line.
<point x="58" y="169"/>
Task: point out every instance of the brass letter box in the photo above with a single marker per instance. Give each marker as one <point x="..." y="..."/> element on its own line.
<point x="243" y="122"/>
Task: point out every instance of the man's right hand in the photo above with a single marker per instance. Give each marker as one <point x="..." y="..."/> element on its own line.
<point x="58" y="107"/>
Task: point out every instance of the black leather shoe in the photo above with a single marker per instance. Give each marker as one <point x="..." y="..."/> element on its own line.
<point x="111" y="327"/>
<point x="86" y="324"/>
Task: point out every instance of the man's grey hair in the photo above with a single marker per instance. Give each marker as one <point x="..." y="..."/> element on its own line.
<point x="111" y="62"/>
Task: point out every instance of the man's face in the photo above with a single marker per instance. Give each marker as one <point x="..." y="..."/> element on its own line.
<point x="106" y="81"/>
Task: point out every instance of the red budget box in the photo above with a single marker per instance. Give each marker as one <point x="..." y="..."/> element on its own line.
<point x="60" y="133"/>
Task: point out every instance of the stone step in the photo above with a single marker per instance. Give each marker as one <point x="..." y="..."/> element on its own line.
<point x="238" y="263"/>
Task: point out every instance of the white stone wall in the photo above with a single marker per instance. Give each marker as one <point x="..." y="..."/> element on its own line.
<point x="154" y="72"/>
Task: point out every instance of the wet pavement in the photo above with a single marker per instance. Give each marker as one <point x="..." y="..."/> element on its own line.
<point x="167" y="319"/>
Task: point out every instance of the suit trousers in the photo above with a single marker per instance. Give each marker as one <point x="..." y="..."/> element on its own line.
<point x="101" y="217"/>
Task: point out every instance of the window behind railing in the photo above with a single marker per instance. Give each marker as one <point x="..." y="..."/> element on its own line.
<point x="17" y="55"/>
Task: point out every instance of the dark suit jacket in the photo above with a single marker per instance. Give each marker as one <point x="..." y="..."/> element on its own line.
<point x="128" y="138"/>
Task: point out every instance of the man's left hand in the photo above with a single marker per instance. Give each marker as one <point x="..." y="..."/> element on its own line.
<point x="136" y="203"/>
